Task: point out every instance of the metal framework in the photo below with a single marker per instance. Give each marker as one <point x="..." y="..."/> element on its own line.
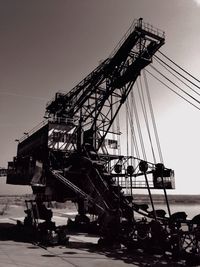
<point x="68" y="155"/>
<point x="95" y="102"/>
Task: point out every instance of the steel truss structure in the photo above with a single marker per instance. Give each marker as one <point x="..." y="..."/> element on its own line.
<point x="67" y="157"/>
<point x="95" y="102"/>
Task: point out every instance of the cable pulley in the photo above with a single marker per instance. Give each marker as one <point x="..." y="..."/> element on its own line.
<point x="143" y="166"/>
<point x="130" y="170"/>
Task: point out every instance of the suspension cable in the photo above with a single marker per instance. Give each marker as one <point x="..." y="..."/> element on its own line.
<point x="142" y="100"/>
<point x="175" y="85"/>
<point x="153" y="118"/>
<point x="118" y="136"/>
<point x="178" y="66"/>
<point x="127" y="131"/>
<point x="172" y="90"/>
<point x="133" y="135"/>
<point x="138" y="126"/>
<point x="132" y="143"/>
<point x="164" y="66"/>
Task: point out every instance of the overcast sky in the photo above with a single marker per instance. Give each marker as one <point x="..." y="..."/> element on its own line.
<point x="50" y="45"/>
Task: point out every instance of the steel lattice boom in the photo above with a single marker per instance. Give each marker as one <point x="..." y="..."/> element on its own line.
<point x="95" y="101"/>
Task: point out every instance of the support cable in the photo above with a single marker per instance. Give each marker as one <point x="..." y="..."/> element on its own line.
<point x="133" y="135"/>
<point x="175" y="84"/>
<point x="113" y="124"/>
<point x="173" y="90"/>
<point x="139" y="127"/>
<point x="178" y="66"/>
<point x="127" y="131"/>
<point x="118" y="136"/>
<point x="142" y="100"/>
<point x="153" y="118"/>
<point x="132" y="125"/>
<point x="163" y="64"/>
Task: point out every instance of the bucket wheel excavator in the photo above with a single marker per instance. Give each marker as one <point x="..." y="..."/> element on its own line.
<point x="70" y="157"/>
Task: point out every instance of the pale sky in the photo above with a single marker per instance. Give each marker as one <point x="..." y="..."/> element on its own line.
<point x="50" y="45"/>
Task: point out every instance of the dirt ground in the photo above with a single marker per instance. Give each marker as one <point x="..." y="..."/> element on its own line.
<point x="81" y="251"/>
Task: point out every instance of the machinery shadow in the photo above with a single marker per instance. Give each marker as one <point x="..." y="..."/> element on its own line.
<point x="10" y="231"/>
<point x="138" y="257"/>
<point x="129" y="256"/>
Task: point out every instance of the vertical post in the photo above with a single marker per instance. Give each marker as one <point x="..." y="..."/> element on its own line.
<point x="151" y="199"/>
<point x="131" y="183"/>
<point x="79" y="140"/>
<point x="166" y="198"/>
<point x="161" y="167"/>
<point x="140" y="22"/>
<point x="94" y="134"/>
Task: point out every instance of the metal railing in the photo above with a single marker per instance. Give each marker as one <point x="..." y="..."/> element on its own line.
<point x="32" y="131"/>
<point x="138" y="23"/>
